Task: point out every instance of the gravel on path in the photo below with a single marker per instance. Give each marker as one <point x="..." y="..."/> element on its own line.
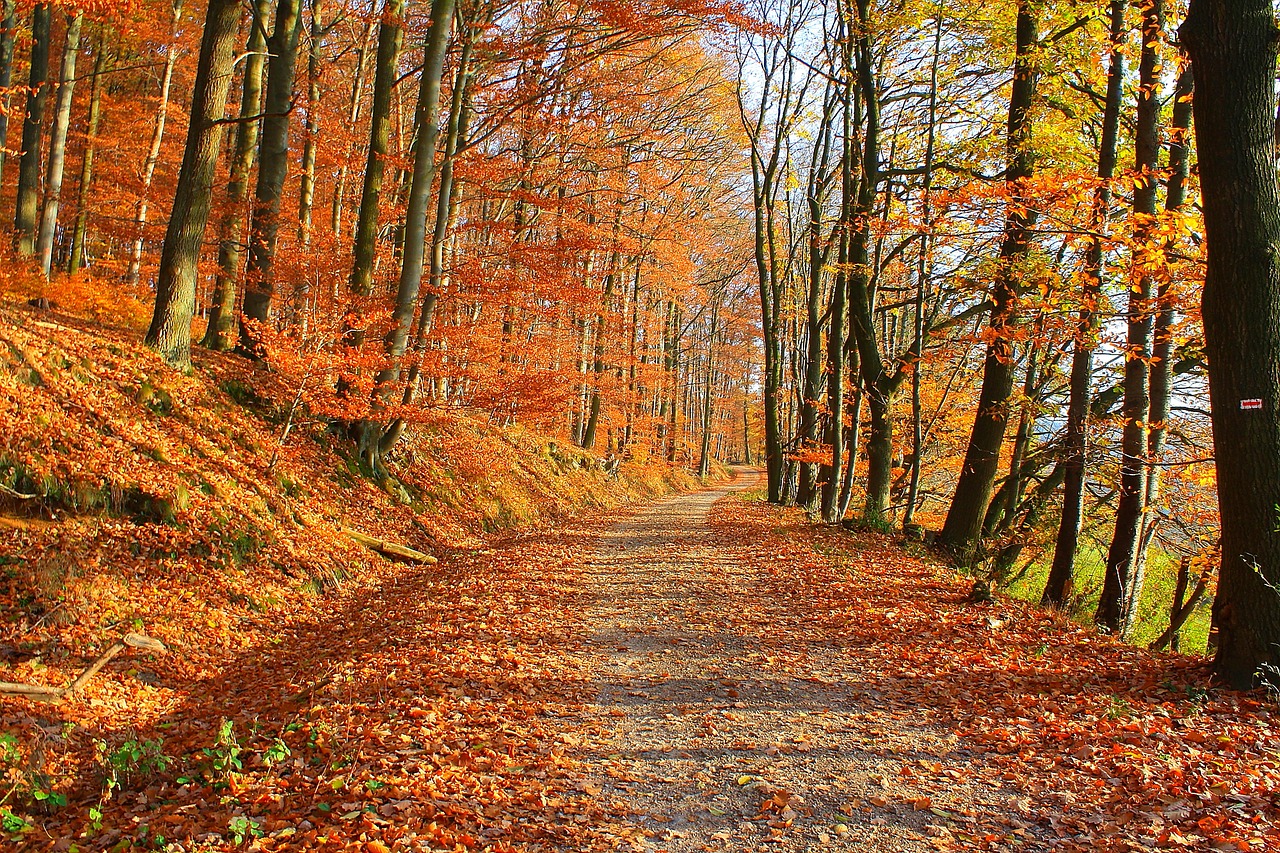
<point x="711" y="738"/>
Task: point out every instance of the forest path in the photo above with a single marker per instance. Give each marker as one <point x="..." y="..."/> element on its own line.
<point x="721" y="725"/>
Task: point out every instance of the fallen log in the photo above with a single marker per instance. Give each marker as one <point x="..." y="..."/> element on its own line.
<point x="389" y="549"/>
<point x="49" y="693"/>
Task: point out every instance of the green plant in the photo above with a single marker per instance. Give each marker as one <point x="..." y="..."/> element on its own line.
<point x="50" y="799"/>
<point x="225" y="754"/>
<point x="243" y="828"/>
<point x="12" y="823"/>
<point x="277" y="752"/>
<point x="131" y="761"/>
<point x="95" y="818"/>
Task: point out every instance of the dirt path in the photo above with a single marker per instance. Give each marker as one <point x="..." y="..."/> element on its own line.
<point x="718" y="732"/>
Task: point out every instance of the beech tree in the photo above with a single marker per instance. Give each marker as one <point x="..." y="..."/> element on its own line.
<point x="27" y="214"/>
<point x="1232" y="45"/>
<point x="170" y="331"/>
<point x="963" y="527"/>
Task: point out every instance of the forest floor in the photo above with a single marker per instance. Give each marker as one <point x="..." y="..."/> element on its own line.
<point x="705" y="672"/>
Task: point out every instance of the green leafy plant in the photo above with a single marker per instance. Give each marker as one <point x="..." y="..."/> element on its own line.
<point x="13" y="823"/>
<point x="224" y="755"/>
<point x="277" y="752"/>
<point x="131" y="761"/>
<point x="243" y="828"/>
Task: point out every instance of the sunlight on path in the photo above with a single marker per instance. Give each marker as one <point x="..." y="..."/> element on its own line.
<point x="713" y="737"/>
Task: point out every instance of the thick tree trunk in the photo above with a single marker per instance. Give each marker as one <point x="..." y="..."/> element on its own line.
<point x="1233" y="48"/>
<point x="963" y="528"/>
<point x="58" y="143"/>
<point x="1122" y="585"/>
<point x="219" y="334"/>
<point x="153" y="157"/>
<point x="76" y="257"/>
<point x="27" y="215"/>
<point x="273" y="169"/>
<point x="170" y="332"/>
<point x="390" y="39"/>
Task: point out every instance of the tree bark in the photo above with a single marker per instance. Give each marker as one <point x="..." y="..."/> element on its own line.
<point x="390" y="39"/>
<point x="58" y="143"/>
<point x="219" y="333"/>
<point x="8" y="25"/>
<point x="963" y="528"/>
<point x="307" y="191"/>
<point x="153" y="156"/>
<point x="76" y="258"/>
<point x="1122" y="584"/>
<point x="273" y="168"/>
<point x="170" y="331"/>
<point x="1233" y="48"/>
<point x="415" y="228"/>
<point x="353" y="117"/>
<point x="1060" y="585"/>
<point x="922" y="282"/>
<point x="27" y="215"/>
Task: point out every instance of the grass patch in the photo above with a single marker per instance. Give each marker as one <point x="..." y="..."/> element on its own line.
<point x="1153" y="606"/>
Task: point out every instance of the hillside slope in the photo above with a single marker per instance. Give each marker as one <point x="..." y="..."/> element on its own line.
<point x="136" y="499"/>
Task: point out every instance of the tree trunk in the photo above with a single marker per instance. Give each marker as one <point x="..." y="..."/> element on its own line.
<point x="1233" y="48"/>
<point x="306" y="193"/>
<point x="838" y="333"/>
<point x="170" y="331"/>
<point x="446" y="212"/>
<point x="218" y="335"/>
<point x="819" y="246"/>
<point x="26" y="218"/>
<point x="153" y="157"/>
<point x="963" y="528"/>
<point x="76" y="259"/>
<point x="58" y="143"/>
<point x="273" y="168"/>
<point x="922" y="282"/>
<point x="1121" y="586"/>
<point x="8" y="25"/>
<point x="390" y="39"/>
<point x="353" y="117"/>
<point x="415" y="228"/>
<point x="1061" y="582"/>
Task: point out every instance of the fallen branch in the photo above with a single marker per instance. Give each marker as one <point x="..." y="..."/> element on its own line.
<point x="389" y="549"/>
<point x="47" y="693"/>
<point x="16" y="495"/>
